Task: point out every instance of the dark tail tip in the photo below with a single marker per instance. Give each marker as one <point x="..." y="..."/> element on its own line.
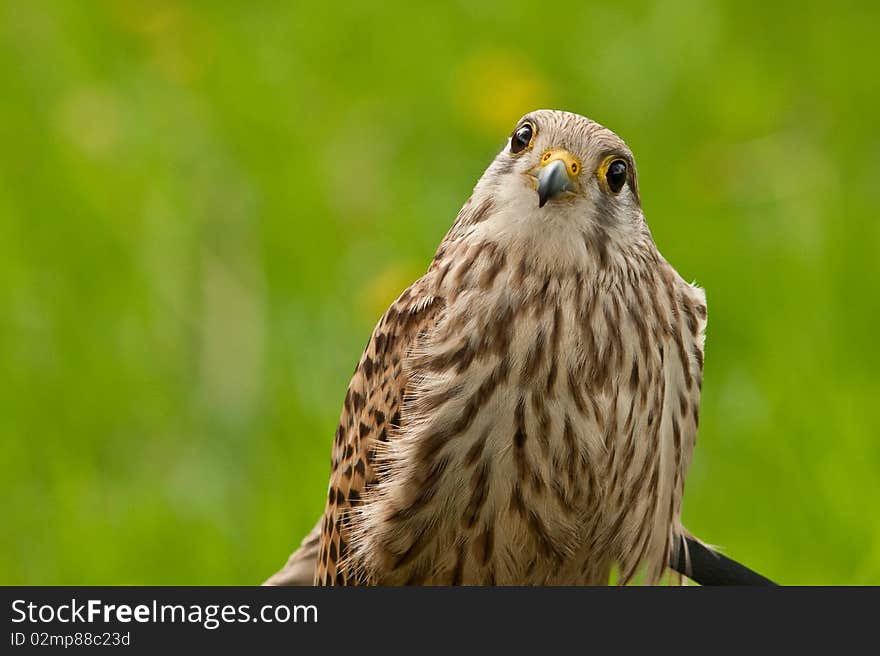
<point x="708" y="567"/>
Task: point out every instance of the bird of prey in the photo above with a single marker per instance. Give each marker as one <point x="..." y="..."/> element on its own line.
<point x="525" y="412"/>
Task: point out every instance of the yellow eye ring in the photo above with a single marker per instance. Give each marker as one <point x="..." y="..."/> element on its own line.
<point x="612" y="174"/>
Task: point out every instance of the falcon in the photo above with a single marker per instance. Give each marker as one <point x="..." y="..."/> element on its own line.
<point x="525" y="412"/>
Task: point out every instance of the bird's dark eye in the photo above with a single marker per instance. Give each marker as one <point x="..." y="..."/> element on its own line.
<point x="521" y="138"/>
<point x="615" y="175"/>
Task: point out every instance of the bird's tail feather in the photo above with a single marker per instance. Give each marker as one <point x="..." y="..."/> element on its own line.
<point x="300" y="567"/>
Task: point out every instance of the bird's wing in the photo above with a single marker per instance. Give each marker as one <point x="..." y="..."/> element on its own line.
<point x="371" y="413"/>
<point x="683" y="381"/>
<point x="300" y="567"/>
<point x="676" y="335"/>
<point x="370" y="416"/>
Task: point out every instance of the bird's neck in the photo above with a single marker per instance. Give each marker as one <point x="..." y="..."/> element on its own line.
<point x="555" y="241"/>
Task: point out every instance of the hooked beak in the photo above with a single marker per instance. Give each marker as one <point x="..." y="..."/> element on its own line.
<point x="557" y="174"/>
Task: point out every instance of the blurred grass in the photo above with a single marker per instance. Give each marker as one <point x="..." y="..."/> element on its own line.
<point x="204" y="207"/>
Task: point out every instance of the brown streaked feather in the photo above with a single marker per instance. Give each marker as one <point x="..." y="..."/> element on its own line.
<point x="378" y="386"/>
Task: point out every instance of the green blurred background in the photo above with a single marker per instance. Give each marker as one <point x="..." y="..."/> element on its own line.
<point x="205" y="206"/>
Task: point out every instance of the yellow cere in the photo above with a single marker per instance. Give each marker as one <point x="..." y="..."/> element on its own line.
<point x="572" y="163"/>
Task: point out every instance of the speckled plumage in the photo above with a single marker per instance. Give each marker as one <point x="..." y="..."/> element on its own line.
<point x="525" y="412"/>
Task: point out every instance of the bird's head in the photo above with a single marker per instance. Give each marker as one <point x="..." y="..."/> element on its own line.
<point x="559" y="176"/>
<point x="559" y="161"/>
<point x="569" y="160"/>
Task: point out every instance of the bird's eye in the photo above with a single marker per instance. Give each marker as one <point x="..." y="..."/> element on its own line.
<point x="615" y="175"/>
<point x="522" y="138"/>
